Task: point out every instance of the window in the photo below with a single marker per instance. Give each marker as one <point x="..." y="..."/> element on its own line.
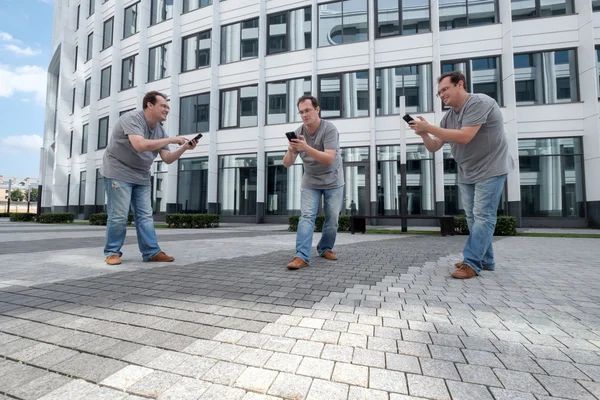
<point x="283" y="185"/>
<point x="131" y="15"/>
<point x="412" y="81"/>
<point x="86" y="92"/>
<point x="82" y="183"/>
<point x="75" y="60"/>
<point x="105" y="82"/>
<point x="237" y="184"/>
<point x="546" y="78"/>
<point x="596" y="5"/>
<point x="462" y="13"/>
<point x="401" y="17"/>
<point x="196" y="51"/>
<point x="127" y="73"/>
<point x="90" y="47"/>
<point x="158" y="62"/>
<point x="91" y="7"/>
<point x="551" y="175"/>
<point x="192" y="185"/>
<point x="239" y="107"/>
<point x="343" y="22"/>
<point x="289" y="31"/>
<point x="73" y="101"/>
<point x="160" y="10"/>
<point x="125" y="111"/>
<point x="71" y="145"/>
<point x="525" y="9"/>
<point x="598" y="65"/>
<point x="482" y="75"/>
<point x="239" y="41"/>
<point x="68" y="189"/>
<point x="102" y="132"/>
<point x="190" y="5"/>
<point x="282" y="97"/>
<point x="84" y="139"/>
<point x="339" y="94"/>
<point x="77" y="18"/>
<point x="194" y="114"/>
<point x="107" y="33"/>
<point x="100" y="192"/>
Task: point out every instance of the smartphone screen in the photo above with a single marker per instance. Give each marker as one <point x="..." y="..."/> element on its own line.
<point x="291" y="135"/>
<point x="408" y="118"/>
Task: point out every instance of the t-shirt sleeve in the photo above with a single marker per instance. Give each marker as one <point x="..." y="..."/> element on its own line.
<point x="476" y="113"/>
<point x="331" y="138"/>
<point x="132" y="125"/>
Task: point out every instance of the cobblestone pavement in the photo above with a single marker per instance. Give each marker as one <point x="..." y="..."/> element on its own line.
<point x="226" y="320"/>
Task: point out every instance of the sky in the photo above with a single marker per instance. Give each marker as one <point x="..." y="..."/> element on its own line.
<point x="25" y="53"/>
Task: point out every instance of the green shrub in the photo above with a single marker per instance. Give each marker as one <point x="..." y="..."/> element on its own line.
<point x="505" y="226"/>
<point x="4" y="215"/>
<point x="192" y="220"/>
<point x="102" y="218"/>
<point x="57" y="218"/>
<point x="22" y="217"/>
<point x="343" y="223"/>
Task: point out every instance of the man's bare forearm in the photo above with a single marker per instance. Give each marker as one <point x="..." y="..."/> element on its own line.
<point x="172" y="156"/>
<point x="289" y="158"/>
<point x="432" y="144"/>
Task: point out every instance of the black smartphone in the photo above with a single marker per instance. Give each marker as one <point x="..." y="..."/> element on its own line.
<point x="408" y="118"/>
<point x="198" y="137"/>
<point x="291" y="135"/>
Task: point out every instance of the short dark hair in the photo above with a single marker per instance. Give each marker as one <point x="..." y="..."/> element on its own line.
<point x="150" y="97"/>
<point x="313" y="100"/>
<point x="455" y="77"/>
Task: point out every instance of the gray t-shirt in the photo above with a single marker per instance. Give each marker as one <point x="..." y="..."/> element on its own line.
<point x="317" y="175"/>
<point x="121" y="161"/>
<point x="487" y="154"/>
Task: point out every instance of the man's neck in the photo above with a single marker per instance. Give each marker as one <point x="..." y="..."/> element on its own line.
<point x="151" y="123"/>
<point x="312" y="128"/>
<point x="462" y="102"/>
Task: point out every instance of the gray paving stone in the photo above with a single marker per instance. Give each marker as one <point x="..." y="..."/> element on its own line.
<point x="593" y="371"/>
<point x="40" y="386"/>
<point x="74" y="390"/>
<point x="290" y="386"/>
<point x="195" y="366"/>
<point x="475" y="343"/>
<point x="468" y="391"/>
<point x="307" y="348"/>
<point x="321" y="389"/>
<point x="15" y="375"/>
<point x="424" y="386"/>
<point x="220" y="392"/>
<point x="256" y="379"/>
<point x="357" y="375"/>
<point x="482" y="358"/>
<point x="154" y="384"/>
<point x="413" y="349"/>
<point x="399" y="362"/>
<point x="284" y="362"/>
<point x="358" y="393"/>
<point x="370" y="358"/>
<point x="224" y="373"/>
<point x="254" y="357"/>
<point x="316" y="368"/>
<point x="478" y="374"/>
<point x="503" y="394"/>
<point x="126" y="377"/>
<point x="185" y="389"/>
<point x="446" y="353"/>
<point x="439" y="369"/>
<point x="561" y="368"/>
<point x="337" y="353"/>
<point x="520" y="381"/>
<point x="519" y="363"/>
<point x="547" y="352"/>
<point x="563" y="387"/>
<point x="389" y="381"/>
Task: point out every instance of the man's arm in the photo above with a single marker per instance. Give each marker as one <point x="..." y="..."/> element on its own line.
<point x="432" y="144"/>
<point x="326" y="156"/>
<point x="140" y="143"/>
<point x="171" y="156"/>
<point x="290" y="157"/>
<point x="463" y="135"/>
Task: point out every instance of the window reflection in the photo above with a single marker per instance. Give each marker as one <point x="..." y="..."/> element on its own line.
<point x="237" y="184"/>
<point x="461" y="13"/>
<point x="524" y="9"/>
<point x="482" y="75"/>
<point x="84" y="138"/>
<point x="282" y="97"/>
<point x="190" y="5"/>
<point x="239" y="107"/>
<point x="283" y="185"/>
<point x="343" y="22"/>
<point x="158" y="62"/>
<point x="344" y="95"/>
<point x="105" y="82"/>
<point x="130" y="26"/>
<point x="102" y="132"/>
<point x="82" y="184"/>
<point x="413" y="82"/>
<point x="127" y="73"/>
<point x="289" y="31"/>
<point x="196" y="51"/>
<point x="402" y="17"/>
<point x="107" y="33"/>
<point x="551" y="175"/>
<point x="194" y="114"/>
<point x="239" y="41"/>
<point x="192" y="185"/>
<point x="160" y="10"/>
<point x="100" y="192"/>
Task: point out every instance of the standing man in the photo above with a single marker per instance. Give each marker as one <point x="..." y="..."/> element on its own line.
<point x="137" y="138"/>
<point x="474" y="127"/>
<point x="318" y="145"/>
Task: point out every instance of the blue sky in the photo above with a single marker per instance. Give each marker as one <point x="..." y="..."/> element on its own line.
<point x="25" y="52"/>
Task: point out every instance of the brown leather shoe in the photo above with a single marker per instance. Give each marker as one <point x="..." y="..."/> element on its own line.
<point x="458" y="265"/>
<point x="330" y="255"/>
<point x="297" y="263"/>
<point x="464" y="272"/>
<point x="113" y="260"/>
<point x="162" y="257"/>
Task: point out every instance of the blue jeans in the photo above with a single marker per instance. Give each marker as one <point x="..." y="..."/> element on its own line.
<point x="481" y="201"/>
<point x="119" y="196"/>
<point x="306" y="226"/>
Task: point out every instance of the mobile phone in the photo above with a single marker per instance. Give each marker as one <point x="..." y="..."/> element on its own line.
<point x="291" y="135"/>
<point x="198" y="136"/>
<point x="408" y="118"/>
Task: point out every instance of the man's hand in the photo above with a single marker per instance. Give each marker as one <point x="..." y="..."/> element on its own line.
<point x="299" y="145"/>
<point x="291" y="149"/>
<point x="178" y="140"/>
<point x="420" y="126"/>
<point x="191" y="144"/>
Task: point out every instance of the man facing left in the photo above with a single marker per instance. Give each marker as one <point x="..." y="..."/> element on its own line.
<point x="137" y="138"/>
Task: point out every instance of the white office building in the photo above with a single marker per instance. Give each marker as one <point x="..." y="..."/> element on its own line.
<point x="234" y="69"/>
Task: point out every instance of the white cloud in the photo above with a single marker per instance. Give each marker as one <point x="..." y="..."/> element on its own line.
<point x="6" y="37"/>
<point x="27" y="143"/>
<point x="25" y="79"/>
<point x="21" y="51"/>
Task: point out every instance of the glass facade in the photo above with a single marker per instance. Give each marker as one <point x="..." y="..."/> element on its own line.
<point x="551" y="174"/>
<point x="192" y="185"/>
<point x="191" y="5"/>
<point x="483" y="75"/>
<point x="283" y="185"/>
<point x="127" y="73"/>
<point x="160" y="10"/>
<point x="356" y="176"/>
<point x="131" y="17"/>
<point x="343" y="22"/>
<point x="102" y="132"/>
<point x="525" y="9"/>
<point x="100" y="191"/>
<point x="107" y="33"/>
<point x="239" y="41"/>
<point x="462" y="13"/>
<point x="105" y="82"/>
<point x="237" y="184"/>
<point x="90" y="47"/>
<point x="87" y="89"/>
<point x="282" y="97"/>
<point x="196" y="51"/>
<point x="546" y="78"/>
<point x="239" y="107"/>
<point x="289" y="31"/>
<point x="84" y="138"/>
<point x="401" y="17"/>
<point x="194" y="114"/>
<point x="158" y="62"/>
<point x="411" y="81"/>
<point x="82" y="183"/>
<point x="344" y="95"/>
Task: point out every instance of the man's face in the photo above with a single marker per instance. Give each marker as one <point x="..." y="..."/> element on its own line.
<point x="308" y="113"/>
<point x="160" y="110"/>
<point x="448" y="92"/>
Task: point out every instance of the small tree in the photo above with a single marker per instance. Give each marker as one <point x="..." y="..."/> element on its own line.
<point x="17" y="195"/>
<point x="33" y="195"/>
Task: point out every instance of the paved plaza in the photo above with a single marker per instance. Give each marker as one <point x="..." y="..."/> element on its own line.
<point x="228" y="321"/>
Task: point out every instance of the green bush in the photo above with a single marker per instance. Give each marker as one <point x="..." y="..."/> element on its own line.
<point x="192" y="220"/>
<point x="22" y="217"/>
<point x="102" y="218"/>
<point x="505" y="226"/>
<point x="343" y="223"/>
<point x="57" y="218"/>
<point x="4" y="215"/>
